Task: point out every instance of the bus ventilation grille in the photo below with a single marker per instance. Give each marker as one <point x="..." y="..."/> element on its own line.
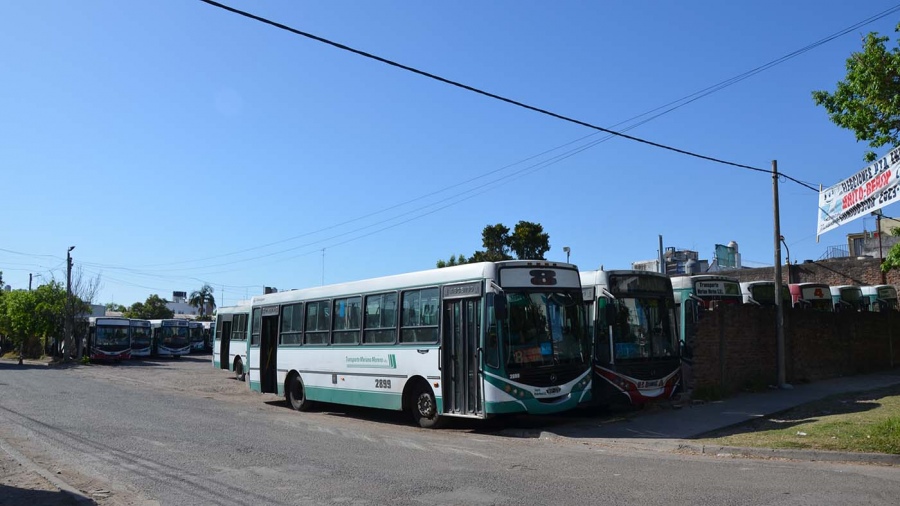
<point x="540" y="377"/>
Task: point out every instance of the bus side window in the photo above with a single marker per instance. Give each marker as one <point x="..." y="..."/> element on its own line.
<point x="491" y="339"/>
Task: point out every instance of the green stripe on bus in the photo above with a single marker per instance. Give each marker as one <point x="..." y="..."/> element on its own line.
<point x="383" y="400"/>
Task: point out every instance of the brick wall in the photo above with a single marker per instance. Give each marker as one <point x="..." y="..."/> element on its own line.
<point x="735" y="346"/>
<point x="835" y="271"/>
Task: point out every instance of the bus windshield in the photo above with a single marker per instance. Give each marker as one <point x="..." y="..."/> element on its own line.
<point x="545" y="329"/>
<point x="174" y="336"/>
<point x="821" y="304"/>
<point x="140" y="337"/>
<point x="197" y="334"/>
<point x="765" y="294"/>
<point x="111" y="336"/>
<point x="642" y="329"/>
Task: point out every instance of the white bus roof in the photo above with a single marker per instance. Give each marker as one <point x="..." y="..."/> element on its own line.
<point x="465" y="272"/>
<point x="241" y="308"/>
<point x="688" y="281"/>
<point x="600" y="276"/>
<point x="170" y="322"/>
<point x="107" y="320"/>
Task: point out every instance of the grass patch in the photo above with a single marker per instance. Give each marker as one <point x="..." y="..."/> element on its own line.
<point x="861" y="422"/>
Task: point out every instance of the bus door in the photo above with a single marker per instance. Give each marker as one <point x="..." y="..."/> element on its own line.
<point x="225" y="343"/>
<point x="461" y="367"/>
<point x="268" y="374"/>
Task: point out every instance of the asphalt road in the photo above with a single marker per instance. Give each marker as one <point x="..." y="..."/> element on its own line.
<point x="179" y="432"/>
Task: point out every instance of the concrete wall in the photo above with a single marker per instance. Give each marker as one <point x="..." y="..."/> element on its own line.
<point x="735" y="346"/>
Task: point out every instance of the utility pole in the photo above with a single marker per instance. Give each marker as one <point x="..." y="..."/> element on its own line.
<point x="29" y="281"/>
<point x="69" y="324"/>
<point x="878" y="215"/>
<point x="779" y="301"/>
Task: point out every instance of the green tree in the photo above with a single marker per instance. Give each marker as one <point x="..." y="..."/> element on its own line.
<point x="454" y="260"/>
<point x="529" y="241"/>
<point x="867" y="101"/>
<point x="154" y="308"/>
<point x="203" y="298"/>
<point x="119" y="308"/>
<point x="29" y="318"/>
<point x="495" y="241"/>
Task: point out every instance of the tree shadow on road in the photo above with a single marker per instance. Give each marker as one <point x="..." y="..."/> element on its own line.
<point x="21" y="496"/>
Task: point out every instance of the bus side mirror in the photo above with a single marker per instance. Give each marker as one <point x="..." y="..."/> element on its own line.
<point x="611" y="313"/>
<point x="500" y="309"/>
<point x="694" y="309"/>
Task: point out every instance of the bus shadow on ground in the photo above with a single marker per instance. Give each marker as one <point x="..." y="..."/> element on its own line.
<point x="494" y="426"/>
<point x="163" y="361"/>
<point x="14" y="366"/>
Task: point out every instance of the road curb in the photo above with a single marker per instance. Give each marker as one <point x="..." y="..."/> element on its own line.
<point x="63" y="487"/>
<point x="809" y="455"/>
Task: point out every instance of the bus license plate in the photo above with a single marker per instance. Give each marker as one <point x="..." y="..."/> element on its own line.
<point x="553" y="390"/>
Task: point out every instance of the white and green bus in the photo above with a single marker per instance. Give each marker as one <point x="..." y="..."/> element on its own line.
<point x="702" y="292"/>
<point x="170" y="338"/>
<point x="473" y="341"/>
<point x="140" y="337"/>
<point x="230" y="340"/>
<point x="195" y="334"/>
<point x="762" y="293"/>
<point x="880" y="297"/>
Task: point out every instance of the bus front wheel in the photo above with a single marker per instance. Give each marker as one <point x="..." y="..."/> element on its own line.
<point x="239" y="373"/>
<point x="296" y="394"/>
<point x="424" y="407"/>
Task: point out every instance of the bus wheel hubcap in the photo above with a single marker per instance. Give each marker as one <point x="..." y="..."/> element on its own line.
<point x="426" y="408"/>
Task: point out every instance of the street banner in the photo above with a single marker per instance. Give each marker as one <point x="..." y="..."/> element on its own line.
<point x="868" y="190"/>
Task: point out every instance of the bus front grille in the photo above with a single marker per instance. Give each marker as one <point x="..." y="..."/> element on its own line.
<point x="549" y="376"/>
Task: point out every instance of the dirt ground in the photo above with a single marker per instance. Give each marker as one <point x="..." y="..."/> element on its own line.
<point x="29" y="477"/>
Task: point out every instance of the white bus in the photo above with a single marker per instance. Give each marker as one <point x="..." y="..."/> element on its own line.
<point x="108" y="338"/>
<point x="140" y="337"/>
<point x="230" y="341"/>
<point x="195" y="334"/>
<point x="762" y="293"/>
<point x="880" y="297"/>
<point x="170" y="338"/>
<point x="473" y="340"/>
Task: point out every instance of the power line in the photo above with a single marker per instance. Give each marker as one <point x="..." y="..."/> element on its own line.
<point x="681" y="102"/>
<point x="478" y="90"/>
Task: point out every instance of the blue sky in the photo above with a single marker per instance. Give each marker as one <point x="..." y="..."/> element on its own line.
<point x="174" y="143"/>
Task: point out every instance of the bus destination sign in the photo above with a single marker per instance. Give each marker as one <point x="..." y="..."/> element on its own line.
<point x="707" y="288"/>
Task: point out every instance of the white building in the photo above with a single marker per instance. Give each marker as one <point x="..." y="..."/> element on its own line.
<point x="182" y="309"/>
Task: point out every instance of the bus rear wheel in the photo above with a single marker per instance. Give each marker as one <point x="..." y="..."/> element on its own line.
<point x="424" y="407"/>
<point x="239" y="373"/>
<point x="296" y="394"/>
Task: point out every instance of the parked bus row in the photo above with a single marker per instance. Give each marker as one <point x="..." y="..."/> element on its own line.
<point x="115" y="339"/>
<point x="484" y="339"/>
<point x="822" y="297"/>
<point x="709" y="291"/>
<point x="470" y="341"/>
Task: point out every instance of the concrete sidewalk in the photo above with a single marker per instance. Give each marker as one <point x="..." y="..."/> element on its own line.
<point x="675" y="428"/>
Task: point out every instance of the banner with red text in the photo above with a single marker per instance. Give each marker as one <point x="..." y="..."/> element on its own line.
<point x="869" y="189"/>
